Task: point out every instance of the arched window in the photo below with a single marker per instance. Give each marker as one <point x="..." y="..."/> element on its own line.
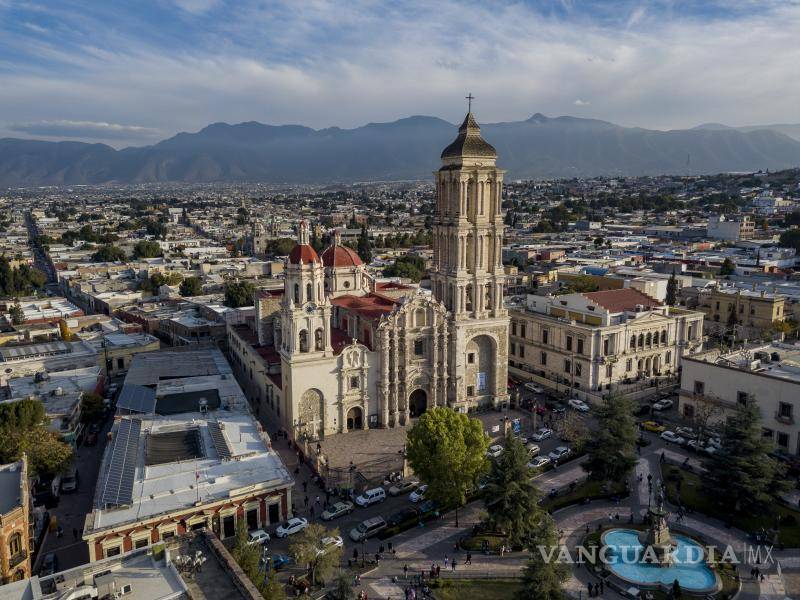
<point x="469" y="298"/>
<point x="296" y="294"/>
<point x="15" y="544"/>
<point x="420" y="317"/>
<point x="633" y="341"/>
<point x="309" y="292"/>
<point x="649" y="338"/>
<point x="303" y="341"/>
<point x="641" y="340"/>
<point x="319" y="339"/>
<point x="487" y="296"/>
<point x="664" y="336"/>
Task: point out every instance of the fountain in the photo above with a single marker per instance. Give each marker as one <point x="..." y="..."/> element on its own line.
<point x="655" y="558"/>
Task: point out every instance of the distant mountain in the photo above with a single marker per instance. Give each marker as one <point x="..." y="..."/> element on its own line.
<point x="405" y="149"/>
<point x="789" y="129"/>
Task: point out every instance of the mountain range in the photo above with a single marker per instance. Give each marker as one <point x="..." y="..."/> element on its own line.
<point x="407" y="149"/>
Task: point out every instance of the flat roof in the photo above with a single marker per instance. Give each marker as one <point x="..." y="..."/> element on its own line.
<point x="9" y="487"/>
<point x="776" y="359"/>
<point x="151" y="367"/>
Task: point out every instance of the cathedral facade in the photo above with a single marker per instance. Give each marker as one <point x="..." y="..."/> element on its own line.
<point x="340" y="351"/>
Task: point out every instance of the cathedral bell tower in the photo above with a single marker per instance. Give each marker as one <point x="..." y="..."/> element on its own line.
<point x="468" y="274"/>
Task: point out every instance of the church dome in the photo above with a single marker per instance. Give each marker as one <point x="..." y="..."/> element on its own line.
<point x="469" y="142"/>
<point x="303" y="252"/>
<point x="340" y="256"/>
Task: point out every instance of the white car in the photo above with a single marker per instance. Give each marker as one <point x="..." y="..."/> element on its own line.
<point x="533" y="450"/>
<point x="715" y="442"/>
<point x="337" y="510"/>
<point x="559" y="453"/>
<point x="292" y="526"/>
<point x="686" y="432"/>
<point x="494" y="451"/>
<point x="672" y="437"/>
<point x="401" y="487"/>
<point x="542" y="434"/>
<point x="257" y="536"/>
<point x="328" y="543"/>
<point x="418" y="495"/>
<point x="663" y="405"/>
<point x="532" y="387"/>
<point x="578" y="405"/>
<point x="539" y="462"/>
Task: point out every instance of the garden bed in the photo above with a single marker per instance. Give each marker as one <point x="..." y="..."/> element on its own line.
<point x="485" y="589"/>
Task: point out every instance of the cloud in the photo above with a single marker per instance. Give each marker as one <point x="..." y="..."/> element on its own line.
<point x="85" y="129"/>
<point x="580" y="102"/>
<point x="196" y="6"/>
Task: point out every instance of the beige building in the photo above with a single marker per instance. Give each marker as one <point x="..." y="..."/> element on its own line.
<point x="593" y="341"/>
<point x="15" y="526"/>
<point x="730" y="229"/>
<point x="714" y="384"/>
<point x="753" y="312"/>
<point x="339" y="351"/>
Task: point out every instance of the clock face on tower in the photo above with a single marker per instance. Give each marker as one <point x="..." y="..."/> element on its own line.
<point x="311" y="307"/>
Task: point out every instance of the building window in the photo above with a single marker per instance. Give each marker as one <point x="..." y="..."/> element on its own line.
<point x="471" y="358"/>
<point x="513" y="328"/>
<point x="120" y="363"/>
<point x="783" y="440"/>
<point x="567" y="366"/>
<point x="545" y="336"/>
<point x="569" y="342"/>
<point x="543" y="359"/>
<point x="522" y="330"/>
<point x="606" y="346"/>
<point x="633" y="341"/>
<point x="354" y="382"/>
<point x="141" y="543"/>
<point x="668" y="358"/>
<point x="664" y="337"/>
<point x="419" y="347"/>
<point x="577" y="369"/>
<point x="115" y="551"/>
<point x="303" y="341"/>
<point x="784" y="410"/>
<point x="15" y="544"/>
<point x="580" y="346"/>
<point x="513" y="349"/>
<point x="470" y="391"/>
<point x="521" y="351"/>
<point x="609" y="371"/>
<point x="688" y="411"/>
<point x="717" y="305"/>
<point x="742" y="397"/>
<point x="767" y="433"/>
<point x="641" y="340"/>
<point x="699" y="387"/>
<point x="629" y="365"/>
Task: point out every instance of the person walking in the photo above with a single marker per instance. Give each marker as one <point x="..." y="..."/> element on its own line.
<point x="453" y="565"/>
<point x="445" y="561"/>
<point x="405" y="571"/>
<point x="305" y="501"/>
<point x="468" y="560"/>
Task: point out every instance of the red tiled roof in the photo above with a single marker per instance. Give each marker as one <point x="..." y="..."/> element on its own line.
<point x="621" y="300"/>
<point x="391" y="285"/>
<point x="340" y="256"/>
<point x="371" y="306"/>
<point x="303" y="252"/>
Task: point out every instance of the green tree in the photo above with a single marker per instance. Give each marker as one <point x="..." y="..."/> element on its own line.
<point x="305" y="549"/>
<point x="612" y="447"/>
<point x="109" y="253"/>
<point x="191" y="286"/>
<point x="248" y="556"/>
<point x="727" y="268"/>
<point x="791" y="239"/>
<point x="17" y="315"/>
<point x="447" y="450"/>
<point x="364" y="246"/>
<point x="742" y="472"/>
<point x="544" y="577"/>
<point x="91" y="407"/>
<point x="239" y="293"/>
<point x="512" y="499"/>
<point x="409" y="267"/>
<point x="672" y="289"/>
<point x="343" y="587"/>
<point x="281" y="246"/>
<point x="271" y="588"/>
<point x="146" y="249"/>
<point x="47" y="453"/>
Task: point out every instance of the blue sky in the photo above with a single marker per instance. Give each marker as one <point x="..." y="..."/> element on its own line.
<point x="131" y="73"/>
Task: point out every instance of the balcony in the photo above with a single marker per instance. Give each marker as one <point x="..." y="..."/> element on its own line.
<point x="18" y="558"/>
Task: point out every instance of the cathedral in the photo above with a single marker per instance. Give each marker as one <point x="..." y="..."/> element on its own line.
<point x="342" y="351"/>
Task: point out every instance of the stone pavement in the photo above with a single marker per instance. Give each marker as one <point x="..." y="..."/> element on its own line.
<point x="562" y="476"/>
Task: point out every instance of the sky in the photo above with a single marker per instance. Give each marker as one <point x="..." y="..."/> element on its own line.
<point x="134" y="72"/>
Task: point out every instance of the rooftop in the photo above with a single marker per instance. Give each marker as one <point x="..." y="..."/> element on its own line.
<point x="626" y="299"/>
<point x="371" y="306"/>
<point x="776" y="359"/>
<point x="152" y="367"/>
<point x="9" y="486"/>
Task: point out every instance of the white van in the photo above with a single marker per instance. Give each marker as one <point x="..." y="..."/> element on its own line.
<point x="370" y="497"/>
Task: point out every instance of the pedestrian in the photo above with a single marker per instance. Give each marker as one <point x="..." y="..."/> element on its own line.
<point x="587" y="530"/>
<point x="445" y="561"/>
<point x="405" y="571"/>
<point x="762" y="578"/>
<point x="438" y="570"/>
<point x="317" y="501"/>
<point x="391" y="548"/>
<point x="589" y="587"/>
<point x="305" y="487"/>
<point x="305" y="501"/>
<point x="75" y="533"/>
<point x="380" y="549"/>
<point x="453" y="565"/>
<point x="469" y="559"/>
<point x="355" y="553"/>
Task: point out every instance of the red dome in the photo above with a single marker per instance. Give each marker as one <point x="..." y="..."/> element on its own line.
<point x="303" y="252"/>
<point x="340" y="256"/>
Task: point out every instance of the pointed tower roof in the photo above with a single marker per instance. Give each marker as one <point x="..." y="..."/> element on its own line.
<point x="469" y="142"/>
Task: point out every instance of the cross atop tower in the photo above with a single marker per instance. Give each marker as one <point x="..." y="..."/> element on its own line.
<point x="469" y="98"/>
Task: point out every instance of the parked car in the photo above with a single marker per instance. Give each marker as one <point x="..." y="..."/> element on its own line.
<point x="533" y="450"/>
<point x="402" y="516"/>
<point x="559" y="409"/>
<point x="494" y="451"/>
<point x="279" y="561"/>
<point x="653" y="426"/>
<point x="428" y="507"/>
<point x="578" y="405"/>
<point x="663" y="405"/>
<point x="539" y="462"/>
<point x="372" y="496"/>
<point x="257" y="536"/>
<point x="366" y="529"/>
<point x="402" y="487"/>
<point x="532" y="387"/>
<point x="49" y="564"/>
<point x="418" y="495"/>
<point x="69" y="482"/>
<point x="337" y="510"/>
<point x="542" y="434"/>
<point x="672" y="437"/>
<point x="641" y="410"/>
<point x="328" y="543"/>
<point x="292" y="526"/>
<point x="559" y="453"/>
<point x="686" y="432"/>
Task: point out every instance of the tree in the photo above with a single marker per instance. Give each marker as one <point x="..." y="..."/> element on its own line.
<point x="447" y="450"/>
<point x="109" y="253"/>
<point x="191" y="286"/>
<point x="672" y="289"/>
<point x="271" y="588"/>
<point x="364" y="246"/>
<point x="544" y="576"/>
<point x="343" y="587"/>
<point x="239" y="293"/>
<point x="64" y="330"/>
<point x="410" y="267"/>
<point x="146" y="249"/>
<point x="281" y="246"/>
<point x="305" y="549"/>
<point x="598" y="241"/>
<point x="17" y="314"/>
<point x="742" y="472"/>
<point x="791" y="239"/>
<point x="91" y="407"/>
<point x="512" y="499"/>
<point x="248" y="556"/>
<point x="728" y="267"/>
<point x="47" y="453"/>
<point x="612" y="447"/>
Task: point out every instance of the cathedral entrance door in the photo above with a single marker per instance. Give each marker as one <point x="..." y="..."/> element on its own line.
<point x="355" y="420"/>
<point x="417" y="403"/>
